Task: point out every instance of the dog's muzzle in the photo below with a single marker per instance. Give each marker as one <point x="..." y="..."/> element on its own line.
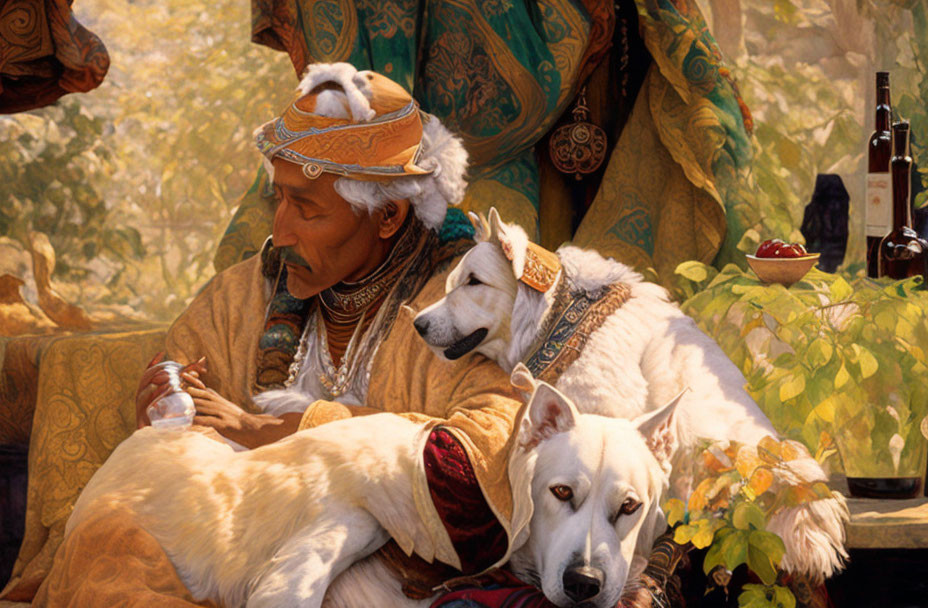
<point x="583" y="583"/>
<point x="465" y="344"/>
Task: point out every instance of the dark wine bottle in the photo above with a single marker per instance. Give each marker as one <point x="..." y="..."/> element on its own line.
<point x="879" y="190"/>
<point x="902" y="253"/>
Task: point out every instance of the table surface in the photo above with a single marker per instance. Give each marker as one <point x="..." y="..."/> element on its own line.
<point x="888" y="524"/>
<point x="885" y="523"/>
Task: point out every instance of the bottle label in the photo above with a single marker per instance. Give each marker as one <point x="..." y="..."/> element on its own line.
<point x="879" y="213"/>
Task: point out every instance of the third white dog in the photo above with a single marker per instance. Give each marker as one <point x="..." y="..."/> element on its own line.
<point x="617" y="346"/>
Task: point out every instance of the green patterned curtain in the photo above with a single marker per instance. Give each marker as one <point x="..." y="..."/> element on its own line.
<point x="500" y="73"/>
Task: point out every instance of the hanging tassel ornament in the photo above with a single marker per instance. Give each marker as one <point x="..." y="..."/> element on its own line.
<point x="579" y="147"/>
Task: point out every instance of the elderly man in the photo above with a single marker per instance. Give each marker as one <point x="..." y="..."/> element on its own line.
<point x="319" y="325"/>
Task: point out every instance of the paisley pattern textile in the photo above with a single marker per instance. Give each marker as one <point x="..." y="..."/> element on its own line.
<point x="108" y="560"/>
<point x="576" y="314"/>
<point x="648" y="213"/>
<point x="286" y="318"/>
<point x="19" y="374"/>
<point x="496" y="72"/>
<point x="44" y="54"/>
<point x="84" y="408"/>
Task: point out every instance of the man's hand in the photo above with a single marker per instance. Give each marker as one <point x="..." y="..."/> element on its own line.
<point x="155" y="384"/>
<point x="249" y="430"/>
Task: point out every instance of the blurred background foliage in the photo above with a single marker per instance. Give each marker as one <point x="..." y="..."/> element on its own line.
<point x="135" y="182"/>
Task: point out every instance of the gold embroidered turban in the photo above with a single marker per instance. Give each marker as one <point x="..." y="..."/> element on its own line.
<point x="380" y="140"/>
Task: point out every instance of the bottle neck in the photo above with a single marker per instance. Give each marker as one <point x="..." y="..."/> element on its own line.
<point x="884" y="110"/>
<point x="902" y="210"/>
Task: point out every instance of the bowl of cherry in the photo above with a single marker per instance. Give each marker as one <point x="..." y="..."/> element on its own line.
<point x="777" y="261"/>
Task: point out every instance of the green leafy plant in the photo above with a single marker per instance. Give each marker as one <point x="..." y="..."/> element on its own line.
<point x="739" y="489"/>
<point x="764" y="596"/>
<point x="827" y="358"/>
<point x="56" y="171"/>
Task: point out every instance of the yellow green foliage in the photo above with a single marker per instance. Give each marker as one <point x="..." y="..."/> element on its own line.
<point x="828" y="360"/>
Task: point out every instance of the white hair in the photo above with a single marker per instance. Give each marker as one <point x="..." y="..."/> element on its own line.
<point x="440" y="150"/>
<point x="429" y="195"/>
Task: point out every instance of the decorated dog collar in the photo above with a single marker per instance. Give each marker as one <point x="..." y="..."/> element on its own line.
<point x="567" y="327"/>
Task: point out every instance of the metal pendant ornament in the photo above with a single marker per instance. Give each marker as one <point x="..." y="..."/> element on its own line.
<point x="579" y="147"/>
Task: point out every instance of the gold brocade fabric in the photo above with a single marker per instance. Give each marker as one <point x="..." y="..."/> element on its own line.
<point x="648" y="213"/>
<point x="513" y="205"/>
<point x="84" y="408"/>
<point x="45" y="53"/>
<point x="19" y="371"/>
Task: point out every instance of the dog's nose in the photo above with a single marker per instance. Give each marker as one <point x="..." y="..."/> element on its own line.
<point x="582" y="582"/>
<point x="422" y="326"/>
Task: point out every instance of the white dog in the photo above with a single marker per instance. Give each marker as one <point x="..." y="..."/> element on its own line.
<point x="617" y="346"/>
<point x="271" y="526"/>
<point x="291" y="523"/>
<point x="586" y="494"/>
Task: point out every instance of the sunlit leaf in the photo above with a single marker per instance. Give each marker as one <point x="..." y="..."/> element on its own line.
<point x="748" y="515"/>
<point x="760" y="481"/>
<point x="765" y="550"/>
<point x="683" y="534"/>
<point x="792" y="387"/>
<point x="841" y="377"/>
<point x="674" y="509"/>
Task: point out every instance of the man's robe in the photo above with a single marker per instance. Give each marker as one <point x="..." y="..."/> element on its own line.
<point x="470" y="398"/>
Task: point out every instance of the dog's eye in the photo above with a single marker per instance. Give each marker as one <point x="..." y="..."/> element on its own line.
<point x="629" y="506"/>
<point x="472" y="280"/>
<point x="562" y="493"/>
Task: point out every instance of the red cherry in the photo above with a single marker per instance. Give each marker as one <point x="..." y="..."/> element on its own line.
<point x="795" y="250"/>
<point x="769" y="248"/>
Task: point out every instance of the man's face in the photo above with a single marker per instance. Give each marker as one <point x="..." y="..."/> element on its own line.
<point x="323" y="241"/>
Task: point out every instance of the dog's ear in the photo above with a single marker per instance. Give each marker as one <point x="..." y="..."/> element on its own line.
<point x="495" y="224"/>
<point x="548" y="413"/>
<point x="481" y="226"/>
<point x="513" y="242"/>
<point x="522" y="379"/>
<point x="660" y="430"/>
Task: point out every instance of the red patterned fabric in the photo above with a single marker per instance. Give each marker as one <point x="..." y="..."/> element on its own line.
<point x="498" y="589"/>
<point x="477" y="536"/>
<point x="45" y="53"/>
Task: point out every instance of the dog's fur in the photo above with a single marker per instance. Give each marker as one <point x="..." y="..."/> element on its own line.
<point x="293" y="523"/>
<point x="644" y="353"/>
<point x="271" y="526"/>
